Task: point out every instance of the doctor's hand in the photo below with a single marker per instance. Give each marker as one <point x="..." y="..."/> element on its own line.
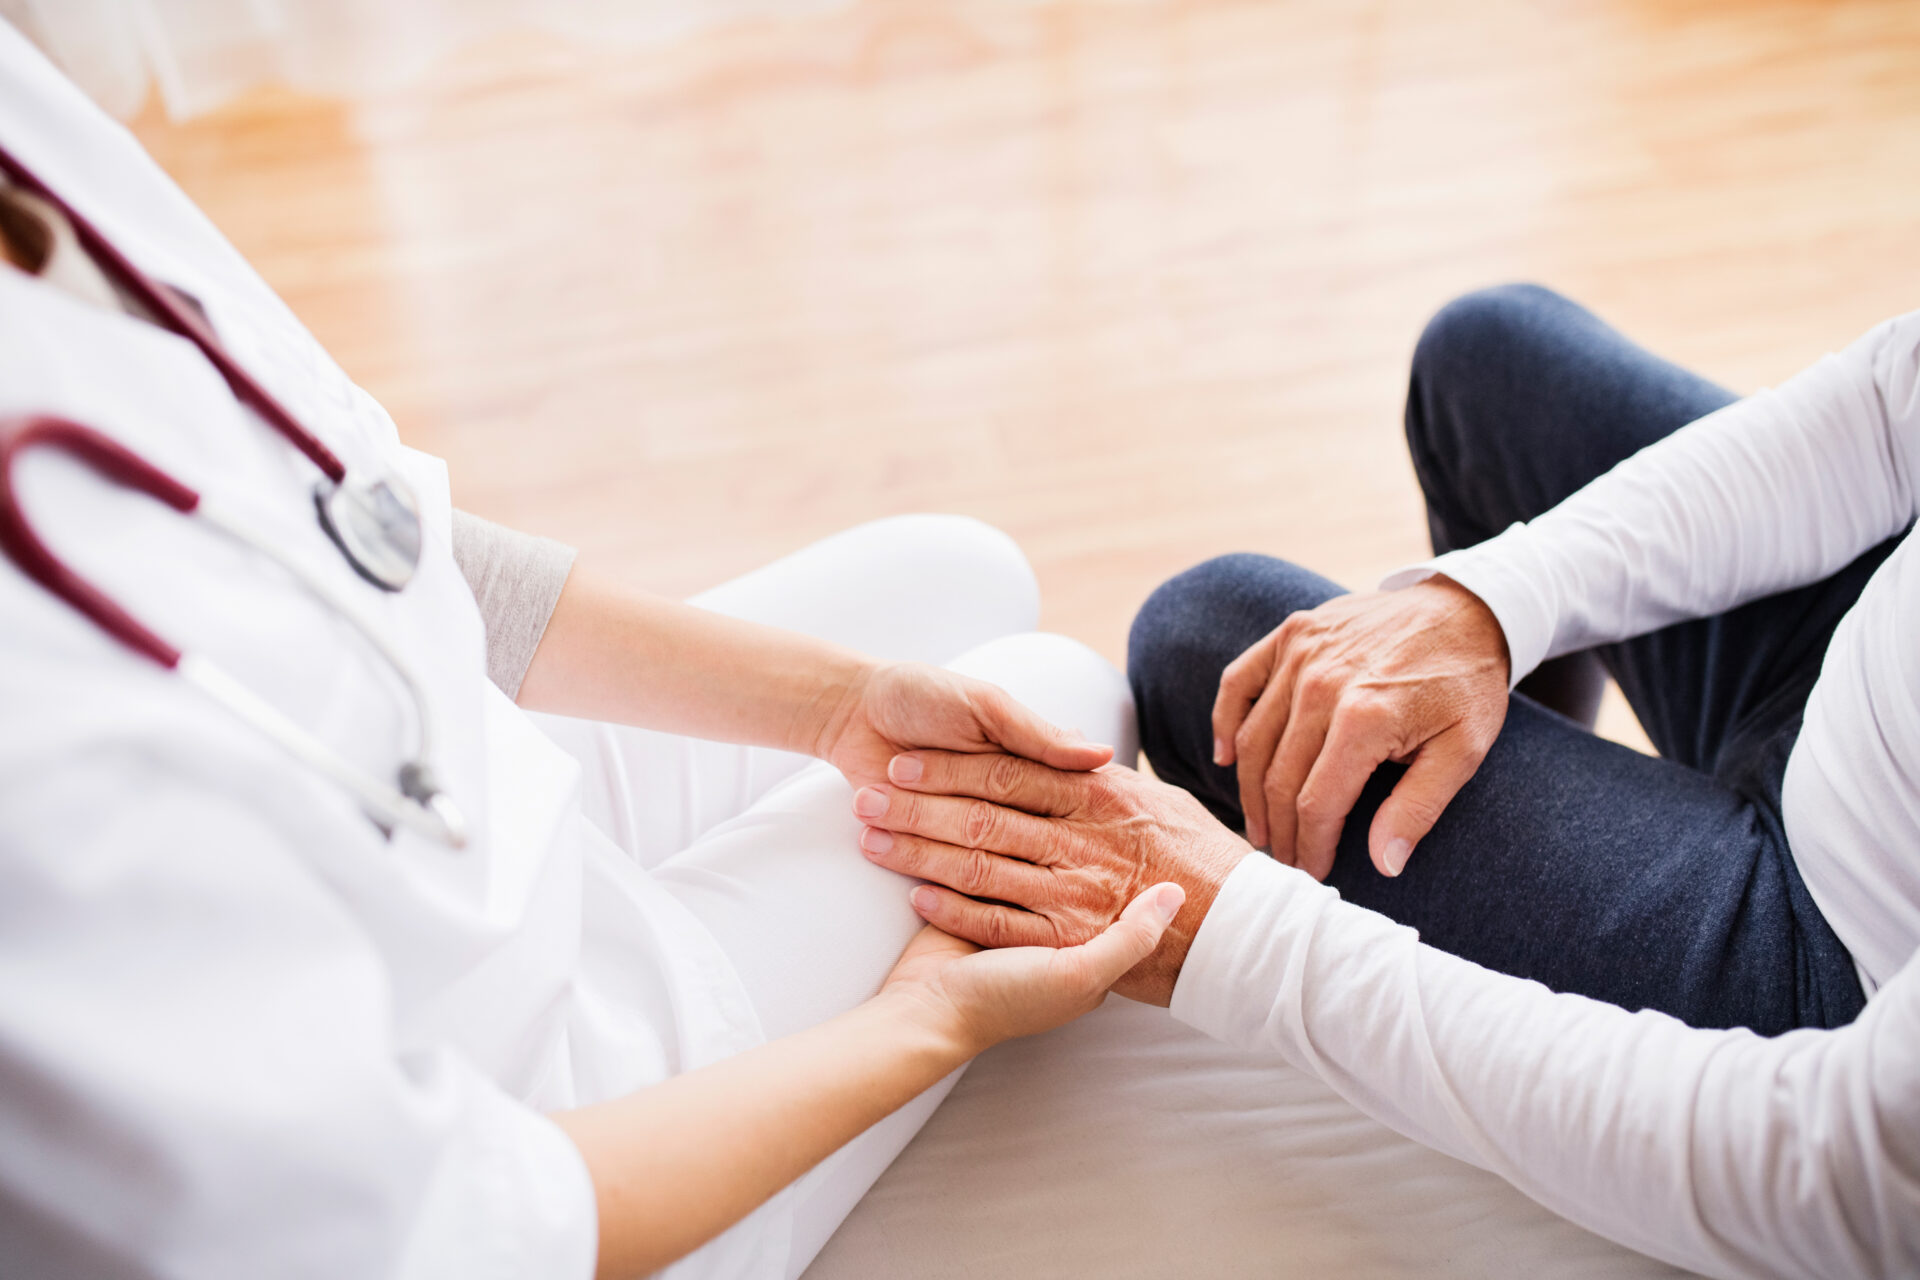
<point x="1417" y="676"/>
<point x="980" y="998"/>
<point x="1027" y="856"/>
<point x="887" y="708"/>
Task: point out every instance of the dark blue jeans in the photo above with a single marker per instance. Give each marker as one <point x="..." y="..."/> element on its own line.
<point x="1649" y="883"/>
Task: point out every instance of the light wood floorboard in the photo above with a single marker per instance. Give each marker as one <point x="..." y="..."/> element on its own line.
<point x="1136" y="281"/>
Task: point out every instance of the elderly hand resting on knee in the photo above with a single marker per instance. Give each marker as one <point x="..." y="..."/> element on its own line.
<point x="1033" y="856"/>
<point x="1417" y="676"/>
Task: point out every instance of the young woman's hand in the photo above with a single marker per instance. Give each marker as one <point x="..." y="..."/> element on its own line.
<point x="980" y="998"/>
<point x="887" y="708"/>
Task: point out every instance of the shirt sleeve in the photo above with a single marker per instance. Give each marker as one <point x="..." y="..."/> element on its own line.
<point x="1772" y="492"/>
<point x="516" y="578"/>
<point x="1719" y="1151"/>
<point x="198" y="1068"/>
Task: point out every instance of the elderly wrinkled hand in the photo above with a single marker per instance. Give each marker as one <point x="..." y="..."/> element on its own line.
<point x="1417" y="676"/>
<point x="1023" y="855"/>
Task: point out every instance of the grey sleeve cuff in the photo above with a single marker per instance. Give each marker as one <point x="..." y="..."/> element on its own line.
<point x="516" y="578"/>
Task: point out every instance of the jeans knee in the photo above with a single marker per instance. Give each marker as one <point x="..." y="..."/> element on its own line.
<point x="1468" y="367"/>
<point x="1186" y="633"/>
<point x="1197" y="621"/>
<point x="1479" y="329"/>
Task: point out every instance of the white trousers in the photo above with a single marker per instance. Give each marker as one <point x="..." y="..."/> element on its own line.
<point x="761" y="844"/>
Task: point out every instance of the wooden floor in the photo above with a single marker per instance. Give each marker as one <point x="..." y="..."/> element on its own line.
<point x="1136" y="280"/>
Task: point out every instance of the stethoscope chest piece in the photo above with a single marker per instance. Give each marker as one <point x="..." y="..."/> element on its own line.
<point x="376" y="524"/>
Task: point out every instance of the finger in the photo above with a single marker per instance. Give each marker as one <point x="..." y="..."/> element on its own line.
<point x="1253" y="746"/>
<point x="959" y="820"/>
<point x="1008" y="780"/>
<point x="932" y="941"/>
<point x="985" y="924"/>
<point x="1300" y="745"/>
<point x="1012" y="725"/>
<point x="1350" y="753"/>
<point x="1130" y="939"/>
<point x="974" y="872"/>
<point x="1240" y="687"/>
<point x="1423" y="793"/>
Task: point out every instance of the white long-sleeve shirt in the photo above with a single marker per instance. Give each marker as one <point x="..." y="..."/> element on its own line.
<point x="1718" y="1150"/>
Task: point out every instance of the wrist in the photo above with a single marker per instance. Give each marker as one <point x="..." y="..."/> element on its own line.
<point x="834" y="704"/>
<point x="929" y="1026"/>
<point x="1152" y="980"/>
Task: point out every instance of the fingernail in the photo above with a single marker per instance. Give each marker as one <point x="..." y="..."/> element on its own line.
<point x="1219" y="750"/>
<point x="904" y="769"/>
<point x="874" y="840"/>
<point x="923" y="899"/>
<point x="1394" y="856"/>
<point x="870" y="802"/>
<point x="1257" y="836"/>
<point x="1167" y="901"/>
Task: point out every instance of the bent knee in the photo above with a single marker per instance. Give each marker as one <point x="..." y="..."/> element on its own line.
<point x="980" y="560"/>
<point x="981" y="579"/>
<point x="1199" y="620"/>
<point x="1481" y="327"/>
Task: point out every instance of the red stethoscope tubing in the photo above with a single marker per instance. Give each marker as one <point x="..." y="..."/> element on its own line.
<point x="166" y="308"/>
<point x="417" y="804"/>
<point x="114" y="461"/>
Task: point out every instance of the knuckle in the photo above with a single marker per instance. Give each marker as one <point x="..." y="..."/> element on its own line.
<point x="995" y="931"/>
<point x="981" y="823"/>
<point x="1003" y="777"/>
<point x="1318" y="683"/>
<point x="1422" y="818"/>
<point x="907" y="856"/>
<point x="974" y="874"/>
<point x="1365" y="710"/>
<point x="1423" y="810"/>
<point x="1086" y="895"/>
<point x="904" y="809"/>
<point x="1312" y="806"/>
<point x="1098" y="788"/>
<point x="1074" y="928"/>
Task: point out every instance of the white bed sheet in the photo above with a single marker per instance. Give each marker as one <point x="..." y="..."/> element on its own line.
<point x="1127" y="1145"/>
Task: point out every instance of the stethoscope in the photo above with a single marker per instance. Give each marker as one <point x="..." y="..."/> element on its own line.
<point x="373" y="520"/>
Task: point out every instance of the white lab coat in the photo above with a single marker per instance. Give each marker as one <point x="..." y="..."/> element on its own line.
<point x="241" y="1033"/>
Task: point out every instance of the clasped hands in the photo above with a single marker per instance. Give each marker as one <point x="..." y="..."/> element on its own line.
<point x="1021" y="853"/>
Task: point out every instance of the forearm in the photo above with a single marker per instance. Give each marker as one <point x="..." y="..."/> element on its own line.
<point x="1780" y="489"/>
<point x="612" y="653"/>
<point x="676" y="1164"/>
<point x="1717" y="1150"/>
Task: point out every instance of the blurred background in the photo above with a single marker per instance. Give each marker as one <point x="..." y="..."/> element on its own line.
<point x="688" y="283"/>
